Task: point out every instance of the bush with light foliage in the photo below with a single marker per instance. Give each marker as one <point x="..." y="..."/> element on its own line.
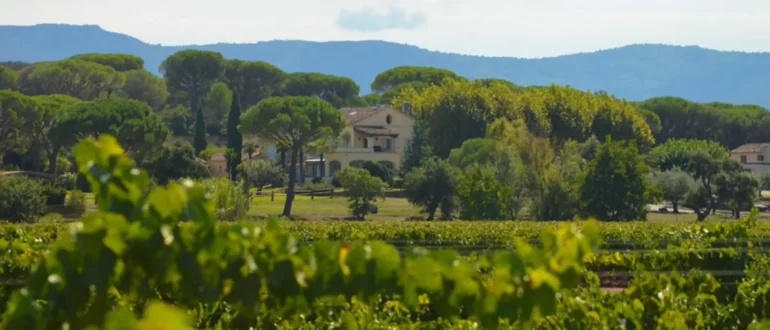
<point x="362" y="189"/>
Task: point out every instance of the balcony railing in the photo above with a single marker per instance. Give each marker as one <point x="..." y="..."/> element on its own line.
<point x="364" y="150"/>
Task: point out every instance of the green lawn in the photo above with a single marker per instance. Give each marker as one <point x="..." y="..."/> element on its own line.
<point x="325" y="207"/>
<point x="394" y="208"/>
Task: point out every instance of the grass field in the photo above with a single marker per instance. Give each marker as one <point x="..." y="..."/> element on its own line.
<point x="325" y="207"/>
<point x="393" y="208"/>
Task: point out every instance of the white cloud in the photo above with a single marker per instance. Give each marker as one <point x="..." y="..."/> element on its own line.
<point x="367" y="20"/>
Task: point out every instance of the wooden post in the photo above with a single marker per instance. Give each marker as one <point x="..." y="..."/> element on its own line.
<point x="312" y="195"/>
<point x="272" y="196"/>
<point x="331" y="194"/>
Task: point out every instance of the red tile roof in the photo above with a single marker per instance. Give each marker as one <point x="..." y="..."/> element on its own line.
<point x="354" y="115"/>
<point x="751" y="147"/>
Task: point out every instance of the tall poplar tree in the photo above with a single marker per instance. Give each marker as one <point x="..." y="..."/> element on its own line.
<point x="199" y="139"/>
<point x="234" y="137"/>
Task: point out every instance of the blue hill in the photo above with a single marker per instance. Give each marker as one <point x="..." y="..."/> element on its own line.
<point x="635" y="72"/>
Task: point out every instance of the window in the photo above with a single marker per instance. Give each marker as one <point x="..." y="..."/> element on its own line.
<point x="386" y="144"/>
<point x="388" y="119"/>
<point x="760" y="158"/>
<point x="743" y="159"/>
<point x="366" y="143"/>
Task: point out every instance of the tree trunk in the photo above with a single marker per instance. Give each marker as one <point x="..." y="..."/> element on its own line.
<point x="301" y="167"/>
<point x="676" y="206"/>
<point x="702" y="215"/>
<point x="52" y="161"/>
<point x="292" y="181"/>
<point x="432" y="211"/>
<point x="322" y="171"/>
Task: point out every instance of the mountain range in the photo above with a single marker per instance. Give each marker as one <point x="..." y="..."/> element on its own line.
<point x="634" y="72"/>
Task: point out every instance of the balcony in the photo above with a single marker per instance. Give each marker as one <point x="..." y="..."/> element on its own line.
<point x="377" y="149"/>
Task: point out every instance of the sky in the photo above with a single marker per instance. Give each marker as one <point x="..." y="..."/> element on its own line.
<point x="517" y="28"/>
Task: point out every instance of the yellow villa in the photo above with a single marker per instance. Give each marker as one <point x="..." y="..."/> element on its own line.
<point x="376" y="134"/>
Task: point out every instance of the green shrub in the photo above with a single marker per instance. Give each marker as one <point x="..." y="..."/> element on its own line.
<point x="336" y="182"/>
<point x="76" y="203"/>
<point x="318" y="180"/>
<point x="68" y="180"/>
<point x="55" y="193"/>
<point x="231" y="203"/>
<point x="362" y="190"/>
<point x="82" y="184"/>
<point x="313" y="186"/>
<point x="21" y="199"/>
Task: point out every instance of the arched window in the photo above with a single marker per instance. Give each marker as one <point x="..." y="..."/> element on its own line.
<point x="334" y="167"/>
<point x="388" y="119"/>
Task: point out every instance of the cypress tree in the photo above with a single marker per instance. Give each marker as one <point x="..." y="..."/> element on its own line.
<point x="199" y="139"/>
<point x="234" y="137"/>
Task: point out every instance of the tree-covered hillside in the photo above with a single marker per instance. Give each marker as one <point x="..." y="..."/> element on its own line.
<point x="634" y="72"/>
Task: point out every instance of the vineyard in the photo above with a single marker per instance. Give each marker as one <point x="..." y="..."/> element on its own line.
<point x="159" y="260"/>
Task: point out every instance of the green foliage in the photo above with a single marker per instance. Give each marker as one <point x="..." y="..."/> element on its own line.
<point x="254" y="80"/>
<point x="615" y="186"/>
<point x="502" y="159"/>
<point x="146" y="87"/>
<point x="259" y="173"/>
<point x="548" y="180"/>
<point x="389" y="95"/>
<point x="21" y="198"/>
<point x="176" y="162"/>
<point x="333" y="89"/>
<point x="77" y="78"/>
<point x="234" y="137"/>
<point x="178" y="119"/>
<point x="653" y="121"/>
<point x="433" y="186"/>
<point x="417" y="149"/>
<point x="621" y="121"/>
<point x="461" y="110"/>
<point x="703" y="160"/>
<point x="19" y="115"/>
<point x="482" y="196"/>
<point x="116" y="261"/>
<point x="75" y="204"/>
<point x="219" y="101"/>
<point x="727" y="124"/>
<point x="133" y="122"/>
<point x="192" y="71"/>
<point x="362" y="189"/>
<point x="675" y="185"/>
<point x="55" y="192"/>
<point x="9" y="79"/>
<point x="118" y="62"/>
<point x="393" y="77"/>
<point x="293" y="122"/>
<point x="764" y="181"/>
<point x="230" y="200"/>
<point x="199" y="137"/>
<point x="378" y="170"/>
<point x="737" y="189"/>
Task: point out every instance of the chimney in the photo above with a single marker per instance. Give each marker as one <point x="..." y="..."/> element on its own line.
<point x="406" y="108"/>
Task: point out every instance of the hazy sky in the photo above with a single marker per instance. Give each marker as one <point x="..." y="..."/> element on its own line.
<point x="521" y="28"/>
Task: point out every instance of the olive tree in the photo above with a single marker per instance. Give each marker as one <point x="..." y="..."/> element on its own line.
<point x="675" y="185"/>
